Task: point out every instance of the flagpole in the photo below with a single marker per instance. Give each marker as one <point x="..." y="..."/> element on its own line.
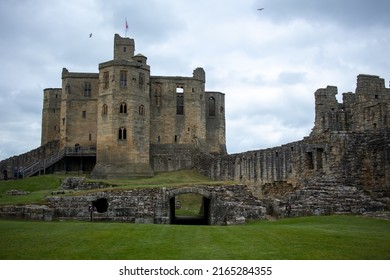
<point x="126" y="27"/>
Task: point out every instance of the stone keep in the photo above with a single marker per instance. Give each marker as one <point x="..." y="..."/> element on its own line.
<point x="138" y="123"/>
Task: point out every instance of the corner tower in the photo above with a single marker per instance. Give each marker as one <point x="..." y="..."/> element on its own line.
<point x="123" y="115"/>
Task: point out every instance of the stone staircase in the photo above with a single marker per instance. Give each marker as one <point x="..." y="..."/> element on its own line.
<point x="41" y="165"/>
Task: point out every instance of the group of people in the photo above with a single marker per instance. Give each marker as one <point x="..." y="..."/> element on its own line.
<point x="18" y="174"/>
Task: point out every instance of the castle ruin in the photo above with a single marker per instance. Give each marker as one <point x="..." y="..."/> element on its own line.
<point x="123" y="122"/>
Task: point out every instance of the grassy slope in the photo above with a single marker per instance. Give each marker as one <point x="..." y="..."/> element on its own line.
<point x="326" y="237"/>
<point x="41" y="186"/>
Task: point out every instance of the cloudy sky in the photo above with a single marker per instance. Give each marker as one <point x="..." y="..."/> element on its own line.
<point x="268" y="63"/>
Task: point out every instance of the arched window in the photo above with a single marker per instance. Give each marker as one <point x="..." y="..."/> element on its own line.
<point x="104" y="109"/>
<point x="179" y="101"/>
<point x="123" y="108"/>
<point x="212" y="106"/>
<point x="122" y="133"/>
<point x="141" y="109"/>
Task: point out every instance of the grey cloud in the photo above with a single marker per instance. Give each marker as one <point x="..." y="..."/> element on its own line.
<point x="290" y="49"/>
<point x="351" y="13"/>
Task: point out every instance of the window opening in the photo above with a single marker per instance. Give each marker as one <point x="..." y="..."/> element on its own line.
<point x="141" y="110"/>
<point x="122" y="133"/>
<point x="212" y="107"/>
<point x="84" y="114"/>
<point x="87" y="89"/>
<point x="123" y="108"/>
<point x="123" y="78"/>
<point x="179" y="101"/>
<point x="106" y="80"/>
<point x="105" y="109"/>
<point x="309" y="160"/>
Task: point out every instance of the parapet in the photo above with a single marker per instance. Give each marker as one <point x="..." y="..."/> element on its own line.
<point x="199" y="74"/>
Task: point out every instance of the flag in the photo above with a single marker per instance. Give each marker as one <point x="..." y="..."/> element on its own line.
<point x="126" y="26"/>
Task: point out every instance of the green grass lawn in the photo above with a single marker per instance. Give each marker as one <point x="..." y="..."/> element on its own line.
<point x="319" y="238"/>
<point x="326" y="237"/>
<point x="39" y="187"/>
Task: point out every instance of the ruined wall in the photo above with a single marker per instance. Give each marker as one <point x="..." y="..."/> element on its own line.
<point x="228" y="205"/>
<point x="347" y="155"/>
<point x="215" y="122"/>
<point x="178" y="111"/>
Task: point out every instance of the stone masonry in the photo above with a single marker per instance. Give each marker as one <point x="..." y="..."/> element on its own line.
<point x="131" y="123"/>
<point x="139" y="124"/>
<point x="342" y="166"/>
<point x="225" y="204"/>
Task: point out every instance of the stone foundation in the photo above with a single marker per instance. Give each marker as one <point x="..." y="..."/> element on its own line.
<point x="226" y="205"/>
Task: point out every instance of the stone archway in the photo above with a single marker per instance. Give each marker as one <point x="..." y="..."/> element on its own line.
<point x="205" y="208"/>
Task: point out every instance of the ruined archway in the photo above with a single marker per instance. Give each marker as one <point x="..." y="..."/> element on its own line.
<point x="202" y="217"/>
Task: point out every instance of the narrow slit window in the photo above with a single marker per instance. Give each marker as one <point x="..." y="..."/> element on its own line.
<point x="104" y="109"/>
<point x="141" y="110"/>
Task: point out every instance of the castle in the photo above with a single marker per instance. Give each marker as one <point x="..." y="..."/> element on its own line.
<point x="123" y="122"/>
<point x="135" y="123"/>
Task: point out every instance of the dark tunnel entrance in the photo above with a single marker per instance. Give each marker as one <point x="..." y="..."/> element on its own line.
<point x="101" y="205"/>
<point x="185" y="211"/>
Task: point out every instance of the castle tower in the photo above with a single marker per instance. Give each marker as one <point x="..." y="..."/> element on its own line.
<point x="329" y="114"/>
<point x="123" y="114"/>
<point x="215" y="122"/>
<point x="78" y="109"/>
<point x="51" y="115"/>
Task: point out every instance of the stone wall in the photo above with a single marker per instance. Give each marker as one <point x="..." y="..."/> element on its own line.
<point x="228" y="205"/>
<point x="21" y="162"/>
<point x="342" y="166"/>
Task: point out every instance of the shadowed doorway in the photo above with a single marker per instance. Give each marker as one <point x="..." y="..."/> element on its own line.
<point x="189" y="209"/>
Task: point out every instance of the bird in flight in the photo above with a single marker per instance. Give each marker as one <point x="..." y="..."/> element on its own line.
<point x="90" y="35"/>
<point x="260" y="9"/>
